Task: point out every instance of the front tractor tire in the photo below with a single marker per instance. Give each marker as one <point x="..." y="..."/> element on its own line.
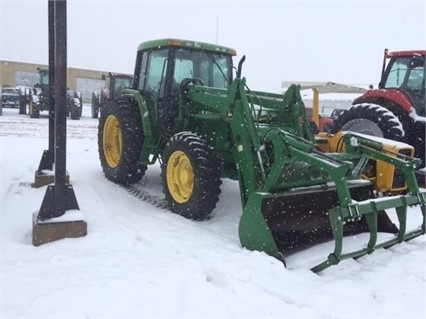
<point x="22" y="104"/>
<point x="191" y="176"/>
<point x="119" y="142"/>
<point x="370" y="119"/>
<point x="33" y="110"/>
<point x="75" y="108"/>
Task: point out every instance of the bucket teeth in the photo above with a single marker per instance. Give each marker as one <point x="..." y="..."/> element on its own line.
<point x="369" y="211"/>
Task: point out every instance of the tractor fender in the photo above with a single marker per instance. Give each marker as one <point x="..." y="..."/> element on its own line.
<point x="150" y="142"/>
<point x="394" y="96"/>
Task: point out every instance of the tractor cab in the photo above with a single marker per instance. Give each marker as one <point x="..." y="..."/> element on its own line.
<point x="166" y="67"/>
<point x="405" y="71"/>
<point x="44" y="81"/>
<point x="41" y="91"/>
<point x="44" y="77"/>
<point x="119" y="82"/>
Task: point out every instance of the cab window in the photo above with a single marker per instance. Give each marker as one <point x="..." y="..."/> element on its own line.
<point x="397" y="73"/>
<point x="153" y="70"/>
<point x="212" y="68"/>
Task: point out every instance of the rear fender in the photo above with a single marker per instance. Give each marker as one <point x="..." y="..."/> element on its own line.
<point x="387" y="97"/>
<point x="150" y="142"/>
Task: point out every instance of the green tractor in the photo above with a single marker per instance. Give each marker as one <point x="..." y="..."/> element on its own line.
<point x="40" y="99"/>
<point x="186" y="111"/>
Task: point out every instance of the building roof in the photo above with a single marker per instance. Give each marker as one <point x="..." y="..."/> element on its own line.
<point x="325" y="87"/>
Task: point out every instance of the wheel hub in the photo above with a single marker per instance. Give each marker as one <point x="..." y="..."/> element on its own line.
<point x="112" y="141"/>
<point x="180" y="177"/>
<point x="363" y="126"/>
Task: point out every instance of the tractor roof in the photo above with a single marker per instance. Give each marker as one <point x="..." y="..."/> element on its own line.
<point x="186" y="44"/>
<point x="120" y="75"/>
<point x="408" y="53"/>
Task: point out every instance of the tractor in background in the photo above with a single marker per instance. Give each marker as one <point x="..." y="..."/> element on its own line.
<point x="40" y="99"/>
<point x="396" y="110"/>
<point x="115" y="85"/>
<point x="187" y="111"/>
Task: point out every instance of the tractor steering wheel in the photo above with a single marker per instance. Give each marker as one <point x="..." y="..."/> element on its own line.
<point x="186" y="81"/>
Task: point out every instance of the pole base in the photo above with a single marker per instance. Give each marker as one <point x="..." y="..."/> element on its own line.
<point x="46" y="177"/>
<point x="70" y="225"/>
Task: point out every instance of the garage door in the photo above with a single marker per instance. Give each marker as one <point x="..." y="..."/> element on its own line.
<point x="86" y="86"/>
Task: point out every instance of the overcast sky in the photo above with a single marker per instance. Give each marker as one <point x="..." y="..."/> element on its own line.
<point x="339" y="41"/>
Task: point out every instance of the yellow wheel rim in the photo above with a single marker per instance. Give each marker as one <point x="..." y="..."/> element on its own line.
<point x="180" y="177"/>
<point x="112" y="141"/>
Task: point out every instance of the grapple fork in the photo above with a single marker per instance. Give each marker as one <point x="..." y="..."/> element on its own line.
<point x="280" y="220"/>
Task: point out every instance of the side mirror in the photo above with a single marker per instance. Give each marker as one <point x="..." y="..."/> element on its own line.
<point x="417" y="60"/>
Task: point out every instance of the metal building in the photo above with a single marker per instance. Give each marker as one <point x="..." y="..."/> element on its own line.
<point x="26" y="74"/>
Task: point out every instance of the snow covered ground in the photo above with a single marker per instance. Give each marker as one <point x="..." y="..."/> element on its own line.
<point x="140" y="261"/>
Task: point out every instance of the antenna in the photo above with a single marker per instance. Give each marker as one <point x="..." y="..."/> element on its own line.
<point x="217" y="28"/>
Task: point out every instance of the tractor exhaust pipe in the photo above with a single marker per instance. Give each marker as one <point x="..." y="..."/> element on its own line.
<point x="382" y="84"/>
<point x="240" y="66"/>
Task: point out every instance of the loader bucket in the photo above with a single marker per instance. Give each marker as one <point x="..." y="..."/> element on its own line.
<point x="297" y="221"/>
<point x="285" y="223"/>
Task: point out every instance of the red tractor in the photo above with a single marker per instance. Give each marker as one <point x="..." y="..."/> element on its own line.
<point x="396" y="110"/>
<point x="115" y="85"/>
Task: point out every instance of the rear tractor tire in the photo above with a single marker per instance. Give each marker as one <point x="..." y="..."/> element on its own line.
<point x="119" y="142"/>
<point x="75" y="108"/>
<point x="369" y="119"/>
<point x="191" y="176"/>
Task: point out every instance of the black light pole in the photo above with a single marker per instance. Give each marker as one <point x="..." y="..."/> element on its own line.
<point x="47" y="159"/>
<point x="59" y="197"/>
<point x="51" y="10"/>
<point x="60" y="85"/>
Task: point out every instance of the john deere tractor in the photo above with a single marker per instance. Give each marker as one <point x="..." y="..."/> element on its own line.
<point x="186" y="110"/>
<point x="40" y="99"/>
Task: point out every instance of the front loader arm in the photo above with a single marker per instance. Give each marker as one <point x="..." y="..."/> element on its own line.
<point x="247" y="131"/>
<point x="268" y="193"/>
<point x="245" y="138"/>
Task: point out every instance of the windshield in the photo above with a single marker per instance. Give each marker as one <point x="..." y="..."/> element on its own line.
<point x="120" y="84"/>
<point x="213" y="69"/>
<point x="9" y="91"/>
<point x="403" y="74"/>
<point x="44" y="78"/>
<point x="408" y="75"/>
